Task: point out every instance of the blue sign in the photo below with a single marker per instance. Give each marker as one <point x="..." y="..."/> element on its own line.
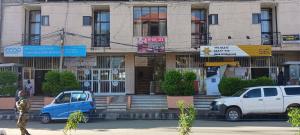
<point x="46" y="51"/>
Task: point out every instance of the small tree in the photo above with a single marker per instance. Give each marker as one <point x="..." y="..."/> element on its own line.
<point x="187" y="117"/>
<point x="294" y="118"/>
<point x="8" y="83"/>
<point x="72" y="123"/>
<point x="55" y="82"/>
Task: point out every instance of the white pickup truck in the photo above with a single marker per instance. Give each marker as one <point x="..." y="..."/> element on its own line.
<point x="257" y="100"/>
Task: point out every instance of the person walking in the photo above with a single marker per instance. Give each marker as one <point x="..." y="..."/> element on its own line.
<point x="23" y="106"/>
<point x="29" y="88"/>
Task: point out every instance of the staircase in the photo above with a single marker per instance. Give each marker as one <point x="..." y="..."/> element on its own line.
<point x="203" y="102"/>
<point x="118" y="104"/>
<point x="37" y="103"/>
<point x="101" y="102"/>
<point x="154" y="102"/>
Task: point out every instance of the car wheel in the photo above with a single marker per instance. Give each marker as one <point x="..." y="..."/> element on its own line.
<point x="86" y="117"/>
<point x="45" y="118"/>
<point x="233" y="114"/>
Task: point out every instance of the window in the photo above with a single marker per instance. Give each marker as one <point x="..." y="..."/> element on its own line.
<point x="101" y="29"/>
<point x="199" y="27"/>
<point x="77" y="97"/>
<point x="213" y="19"/>
<point x="34" y="27"/>
<point x="255" y="18"/>
<point x="270" y="92"/>
<point x="45" y="20"/>
<point x="150" y="21"/>
<point x="86" y="21"/>
<point x="292" y="90"/>
<point x="64" y="98"/>
<point x="255" y="93"/>
<point x="266" y="26"/>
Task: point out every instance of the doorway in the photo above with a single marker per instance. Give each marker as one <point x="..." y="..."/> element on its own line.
<point x="39" y="78"/>
<point x="143" y="77"/>
<point x="259" y="72"/>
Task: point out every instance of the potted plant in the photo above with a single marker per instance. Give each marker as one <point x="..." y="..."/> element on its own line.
<point x="179" y="86"/>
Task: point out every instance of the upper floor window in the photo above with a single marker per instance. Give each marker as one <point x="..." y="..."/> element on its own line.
<point x="45" y="20"/>
<point x="266" y="26"/>
<point x="255" y="18"/>
<point x="101" y="37"/>
<point x="34" y="35"/>
<point x="214" y="19"/>
<point x="150" y="21"/>
<point x="199" y="27"/>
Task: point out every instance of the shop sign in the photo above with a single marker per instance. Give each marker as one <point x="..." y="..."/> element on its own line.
<point x="45" y="51"/>
<point x="291" y="39"/>
<point x="151" y="44"/>
<point x="88" y="61"/>
<point x="235" y="51"/>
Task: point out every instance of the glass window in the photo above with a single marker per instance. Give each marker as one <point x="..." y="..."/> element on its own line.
<point x="45" y="20"/>
<point x="292" y="90"/>
<point x="255" y="93"/>
<point x="213" y="19"/>
<point x="199" y="29"/>
<point x="34" y="27"/>
<point x="101" y="29"/>
<point x="150" y="21"/>
<point x="255" y="18"/>
<point x="86" y="20"/>
<point x="77" y="97"/>
<point x="64" y="98"/>
<point x="270" y="92"/>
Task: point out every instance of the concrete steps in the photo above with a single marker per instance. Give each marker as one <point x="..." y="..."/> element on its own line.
<point x="118" y="104"/>
<point x="37" y="103"/>
<point x="155" y="102"/>
<point x="101" y="102"/>
<point x="203" y="102"/>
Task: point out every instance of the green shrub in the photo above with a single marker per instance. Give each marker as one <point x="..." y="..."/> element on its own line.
<point x="229" y="86"/>
<point x="176" y="83"/>
<point x="8" y="83"/>
<point x="294" y="118"/>
<point x="56" y="82"/>
<point x="73" y="120"/>
<point x="187" y="117"/>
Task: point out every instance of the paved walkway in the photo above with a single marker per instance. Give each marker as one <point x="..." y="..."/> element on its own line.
<point x="157" y="127"/>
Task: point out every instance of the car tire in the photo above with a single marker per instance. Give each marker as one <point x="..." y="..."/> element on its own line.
<point x="86" y="117"/>
<point x="45" y="118"/>
<point x="233" y="114"/>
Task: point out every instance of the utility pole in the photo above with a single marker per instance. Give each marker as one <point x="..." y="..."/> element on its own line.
<point x="62" y="43"/>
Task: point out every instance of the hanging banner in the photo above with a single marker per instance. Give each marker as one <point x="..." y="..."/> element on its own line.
<point x="151" y="44"/>
<point x="45" y="51"/>
<point x="235" y="51"/>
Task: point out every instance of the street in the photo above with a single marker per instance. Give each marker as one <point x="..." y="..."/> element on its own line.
<point x="157" y="127"/>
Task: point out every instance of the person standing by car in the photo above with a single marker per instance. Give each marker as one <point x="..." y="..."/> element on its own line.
<point x="29" y="88"/>
<point x="23" y="106"/>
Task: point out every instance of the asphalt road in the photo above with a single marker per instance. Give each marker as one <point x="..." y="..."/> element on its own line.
<point x="157" y="127"/>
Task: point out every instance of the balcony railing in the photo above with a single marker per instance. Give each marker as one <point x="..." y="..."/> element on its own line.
<point x="31" y="39"/>
<point x="273" y="39"/>
<point x="100" y="40"/>
<point x="199" y="40"/>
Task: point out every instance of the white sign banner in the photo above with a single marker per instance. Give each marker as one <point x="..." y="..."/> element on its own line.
<point x="13" y="51"/>
<point x="222" y="51"/>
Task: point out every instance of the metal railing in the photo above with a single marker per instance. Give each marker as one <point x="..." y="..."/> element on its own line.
<point x="200" y="39"/>
<point x="31" y="39"/>
<point x="274" y="39"/>
<point x="101" y="40"/>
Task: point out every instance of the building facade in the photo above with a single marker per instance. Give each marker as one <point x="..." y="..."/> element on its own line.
<point x="131" y="43"/>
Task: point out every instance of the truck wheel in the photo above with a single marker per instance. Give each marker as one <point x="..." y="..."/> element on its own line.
<point x="45" y="118"/>
<point x="233" y="114"/>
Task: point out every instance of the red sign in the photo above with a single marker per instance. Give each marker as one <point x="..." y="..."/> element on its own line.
<point x="151" y="44"/>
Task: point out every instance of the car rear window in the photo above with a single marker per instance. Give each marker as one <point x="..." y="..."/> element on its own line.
<point x="292" y="90"/>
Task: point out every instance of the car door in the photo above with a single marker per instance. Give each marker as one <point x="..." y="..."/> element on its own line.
<point x="62" y="106"/>
<point x="273" y="100"/>
<point x="253" y="101"/>
<point x="78" y="102"/>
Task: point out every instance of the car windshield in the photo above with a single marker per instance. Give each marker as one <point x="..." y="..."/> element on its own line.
<point x="239" y="93"/>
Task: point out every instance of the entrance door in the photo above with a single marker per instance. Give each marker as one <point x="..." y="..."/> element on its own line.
<point x="38" y="81"/>
<point x="143" y="77"/>
<point x="259" y="72"/>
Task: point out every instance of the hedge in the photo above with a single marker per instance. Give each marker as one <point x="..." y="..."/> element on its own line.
<point x="8" y="83"/>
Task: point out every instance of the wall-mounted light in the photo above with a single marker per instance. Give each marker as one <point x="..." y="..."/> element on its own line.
<point x="229" y="37"/>
<point x="248" y="37"/>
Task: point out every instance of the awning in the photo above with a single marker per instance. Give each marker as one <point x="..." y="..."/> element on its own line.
<point x="217" y="64"/>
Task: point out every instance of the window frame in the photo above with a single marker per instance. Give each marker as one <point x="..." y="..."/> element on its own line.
<point x="80" y="93"/>
<point x="199" y="34"/>
<point x="149" y="22"/>
<point x="61" y="96"/>
<point x="210" y="18"/>
<point x="270" y="24"/>
<point x="256" y="16"/>
<point x="100" y="23"/>
<point x="43" y="23"/>
<point x="31" y="37"/>
<point x="89" y="20"/>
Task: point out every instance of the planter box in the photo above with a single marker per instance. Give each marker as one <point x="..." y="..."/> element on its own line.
<point x="48" y="100"/>
<point x="172" y="101"/>
<point x="7" y="103"/>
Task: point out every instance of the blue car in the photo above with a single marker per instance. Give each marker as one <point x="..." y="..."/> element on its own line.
<point x="66" y="103"/>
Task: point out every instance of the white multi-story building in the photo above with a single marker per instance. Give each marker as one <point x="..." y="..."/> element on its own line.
<point x="130" y="43"/>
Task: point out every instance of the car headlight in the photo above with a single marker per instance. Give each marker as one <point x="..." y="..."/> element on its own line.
<point x="219" y="102"/>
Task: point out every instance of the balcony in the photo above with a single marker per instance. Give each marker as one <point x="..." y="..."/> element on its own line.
<point x="199" y="40"/>
<point x="274" y="39"/>
<point x="101" y="40"/>
<point x="31" y="39"/>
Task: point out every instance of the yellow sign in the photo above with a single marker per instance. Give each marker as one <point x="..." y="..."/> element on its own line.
<point x="235" y="51"/>
<point x="217" y="64"/>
